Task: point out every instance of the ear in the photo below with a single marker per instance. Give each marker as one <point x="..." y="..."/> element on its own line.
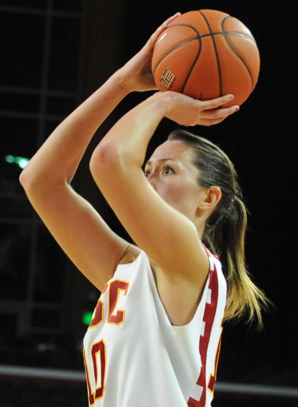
<point x="211" y="198"/>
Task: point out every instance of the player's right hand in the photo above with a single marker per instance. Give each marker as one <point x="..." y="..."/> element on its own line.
<point x="136" y="73"/>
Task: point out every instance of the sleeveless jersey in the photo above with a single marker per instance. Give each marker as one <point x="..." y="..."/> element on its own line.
<point x="134" y="357"/>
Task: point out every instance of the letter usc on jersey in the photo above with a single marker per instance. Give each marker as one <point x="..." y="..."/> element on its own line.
<point x="134" y="357"/>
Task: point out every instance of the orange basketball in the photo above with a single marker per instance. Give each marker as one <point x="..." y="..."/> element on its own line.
<point x="206" y="54"/>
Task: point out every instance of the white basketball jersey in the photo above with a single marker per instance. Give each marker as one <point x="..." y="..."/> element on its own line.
<point x="134" y="357"/>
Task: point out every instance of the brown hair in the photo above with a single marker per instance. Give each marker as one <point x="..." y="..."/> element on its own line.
<point x="225" y="229"/>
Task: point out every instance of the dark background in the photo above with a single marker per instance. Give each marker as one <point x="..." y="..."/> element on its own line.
<point x="260" y="140"/>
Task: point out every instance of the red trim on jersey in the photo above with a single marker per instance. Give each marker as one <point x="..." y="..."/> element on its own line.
<point x="211" y="383"/>
<point x="208" y="318"/>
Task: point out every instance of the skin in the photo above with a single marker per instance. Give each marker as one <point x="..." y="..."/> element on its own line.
<point x="171" y="172"/>
<point x="154" y="204"/>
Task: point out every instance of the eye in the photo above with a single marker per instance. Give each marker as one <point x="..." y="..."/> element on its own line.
<point x="147" y="173"/>
<point x="168" y="170"/>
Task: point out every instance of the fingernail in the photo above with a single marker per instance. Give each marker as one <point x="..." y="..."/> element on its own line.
<point x="231" y="97"/>
<point x="237" y="108"/>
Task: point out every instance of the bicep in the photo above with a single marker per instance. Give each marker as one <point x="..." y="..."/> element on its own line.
<point x="80" y="231"/>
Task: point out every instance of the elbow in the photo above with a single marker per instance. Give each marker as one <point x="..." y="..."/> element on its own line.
<point x="25" y="179"/>
<point x="99" y="156"/>
<point x="28" y="182"/>
<point x="31" y="181"/>
<point x="97" y="159"/>
<point x="103" y="159"/>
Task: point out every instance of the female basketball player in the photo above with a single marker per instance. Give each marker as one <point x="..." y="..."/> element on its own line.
<point x="155" y="332"/>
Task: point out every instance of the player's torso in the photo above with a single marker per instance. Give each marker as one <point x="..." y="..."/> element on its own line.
<point x="131" y="345"/>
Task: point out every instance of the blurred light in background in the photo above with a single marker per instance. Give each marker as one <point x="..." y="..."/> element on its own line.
<point x="20" y="161"/>
<point x="87" y="316"/>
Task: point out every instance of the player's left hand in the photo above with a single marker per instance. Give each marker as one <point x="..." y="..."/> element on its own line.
<point x="137" y="73"/>
<point x="187" y="111"/>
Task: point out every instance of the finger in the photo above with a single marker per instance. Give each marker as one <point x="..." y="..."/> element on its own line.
<point x="219" y="113"/>
<point x="165" y="23"/>
<point x="161" y="28"/>
<point x="217" y="102"/>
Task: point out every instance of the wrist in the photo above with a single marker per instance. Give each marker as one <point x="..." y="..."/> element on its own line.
<point x="166" y="101"/>
<point x="121" y="83"/>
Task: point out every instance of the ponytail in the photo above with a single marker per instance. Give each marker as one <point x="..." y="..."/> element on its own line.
<point x="227" y="240"/>
<point x="225" y="230"/>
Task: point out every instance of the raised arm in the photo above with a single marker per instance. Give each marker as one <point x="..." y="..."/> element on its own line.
<point x="76" y="226"/>
<point x="169" y="238"/>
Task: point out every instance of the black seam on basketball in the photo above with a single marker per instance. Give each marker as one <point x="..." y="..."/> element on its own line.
<point x="216" y="53"/>
<point x="195" y="61"/>
<point x="180" y="45"/>
<point x="231" y="33"/>
<point x="184" y="25"/>
<point x="193" y="65"/>
<point x="212" y="35"/>
<point x="198" y="37"/>
<point x="225" y="34"/>
<point x="171" y="50"/>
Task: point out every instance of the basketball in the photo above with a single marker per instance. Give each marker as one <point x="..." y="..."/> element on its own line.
<point x="206" y="54"/>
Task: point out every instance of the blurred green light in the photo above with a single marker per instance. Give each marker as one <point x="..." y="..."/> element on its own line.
<point x="87" y="316"/>
<point x="23" y="162"/>
<point x="9" y="159"/>
<point x="20" y="161"/>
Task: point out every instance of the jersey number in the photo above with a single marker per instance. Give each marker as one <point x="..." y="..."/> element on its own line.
<point x="98" y="350"/>
<point x="98" y="354"/>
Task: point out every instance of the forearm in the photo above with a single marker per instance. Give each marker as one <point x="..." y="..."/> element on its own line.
<point x="126" y="143"/>
<point x="122" y="151"/>
<point x="58" y="158"/>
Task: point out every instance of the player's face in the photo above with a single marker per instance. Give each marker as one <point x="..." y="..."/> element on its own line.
<point x="171" y="172"/>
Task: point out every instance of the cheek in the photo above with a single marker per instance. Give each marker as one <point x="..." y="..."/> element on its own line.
<point x="168" y="190"/>
<point x="182" y="195"/>
<point x="165" y="191"/>
<point x="190" y="196"/>
<point x="179" y="195"/>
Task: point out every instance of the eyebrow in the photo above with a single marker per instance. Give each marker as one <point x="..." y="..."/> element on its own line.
<point x="149" y="162"/>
